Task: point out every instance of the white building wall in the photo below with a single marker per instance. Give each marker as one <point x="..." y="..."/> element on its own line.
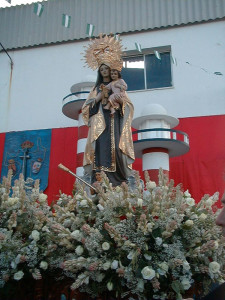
<point x="42" y="77"/>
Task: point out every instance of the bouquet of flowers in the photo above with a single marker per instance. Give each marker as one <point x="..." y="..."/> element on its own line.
<point x="149" y="242"/>
<point x="24" y="243"/>
<point x="144" y="242"/>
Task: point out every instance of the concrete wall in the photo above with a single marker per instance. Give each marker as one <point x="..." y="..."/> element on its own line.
<point x="42" y="77"/>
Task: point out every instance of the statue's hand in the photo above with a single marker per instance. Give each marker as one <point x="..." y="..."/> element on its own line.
<point x="101" y="87"/>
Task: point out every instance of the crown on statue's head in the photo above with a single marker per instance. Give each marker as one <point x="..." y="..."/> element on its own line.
<point x="104" y="50"/>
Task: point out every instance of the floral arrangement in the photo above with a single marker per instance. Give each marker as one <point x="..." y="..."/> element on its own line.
<point x="142" y="242"/>
<point x="24" y="245"/>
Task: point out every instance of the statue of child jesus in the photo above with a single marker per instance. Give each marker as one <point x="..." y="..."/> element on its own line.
<point x="118" y="87"/>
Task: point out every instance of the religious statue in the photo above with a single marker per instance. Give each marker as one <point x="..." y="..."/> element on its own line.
<point x="118" y="86"/>
<point x="109" y="146"/>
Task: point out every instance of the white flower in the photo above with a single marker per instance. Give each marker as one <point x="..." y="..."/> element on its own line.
<point x="197" y="250"/>
<point x="139" y="202"/>
<point x="79" y="197"/>
<point x="2" y="190"/>
<point x="202" y="217"/>
<point x="84" y="278"/>
<point x="216" y="245"/>
<point x="149" y="227"/>
<point x="13" y="265"/>
<point x="45" y="228"/>
<point x="100" y="207"/>
<point x="79" y="250"/>
<point x="147" y="256"/>
<point x="194" y="217"/>
<point x="187" y="194"/>
<point x="67" y="223"/>
<point x="140" y="285"/>
<point x="84" y="203"/>
<point x="214" y="267"/>
<point x="163" y="268"/>
<point x="18" y="275"/>
<point x="190" y="201"/>
<point x="158" y="241"/>
<point x="43" y="265"/>
<point x="106" y="265"/>
<point x="151" y="184"/>
<point x="42" y="198"/>
<point x="129" y="215"/>
<point x="148" y="273"/>
<point x="86" y="281"/>
<point x="118" y="189"/>
<point x="221" y="281"/>
<point x="76" y="234"/>
<point x="186" y="266"/>
<point x="114" y="264"/>
<point x="17" y="259"/>
<point x="35" y="235"/>
<point x="189" y="223"/>
<point x="186" y="283"/>
<point x="130" y="255"/>
<point x="105" y="246"/>
<point x="127" y="243"/>
<point x="12" y="201"/>
<point x="209" y="202"/>
<point x="99" y="277"/>
<point x="172" y="210"/>
<point x="81" y="259"/>
<point x="110" y="286"/>
<point x="215" y="197"/>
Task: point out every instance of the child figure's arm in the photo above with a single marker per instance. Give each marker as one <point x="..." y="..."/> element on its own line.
<point x="109" y="86"/>
<point x="121" y="84"/>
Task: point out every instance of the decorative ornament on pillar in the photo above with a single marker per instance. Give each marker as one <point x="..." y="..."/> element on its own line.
<point x="72" y="105"/>
<point x="157" y="141"/>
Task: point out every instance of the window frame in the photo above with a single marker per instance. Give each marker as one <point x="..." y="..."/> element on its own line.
<point x="144" y="52"/>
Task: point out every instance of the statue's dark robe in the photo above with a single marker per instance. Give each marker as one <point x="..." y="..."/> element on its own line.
<point x="109" y="145"/>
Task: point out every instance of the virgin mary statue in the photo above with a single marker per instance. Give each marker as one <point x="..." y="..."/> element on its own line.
<point x="109" y="145"/>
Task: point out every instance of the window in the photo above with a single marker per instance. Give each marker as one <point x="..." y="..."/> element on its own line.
<point x="146" y="71"/>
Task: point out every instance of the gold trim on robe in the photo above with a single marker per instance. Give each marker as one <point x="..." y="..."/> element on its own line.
<point x="97" y="125"/>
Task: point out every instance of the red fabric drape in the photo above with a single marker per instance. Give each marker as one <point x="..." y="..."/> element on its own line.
<point x="63" y="150"/>
<point x="202" y="169"/>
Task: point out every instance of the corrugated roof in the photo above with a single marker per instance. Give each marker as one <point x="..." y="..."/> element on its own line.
<point x="20" y="27"/>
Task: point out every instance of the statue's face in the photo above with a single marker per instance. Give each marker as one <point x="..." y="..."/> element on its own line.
<point x="104" y="71"/>
<point x="114" y="74"/>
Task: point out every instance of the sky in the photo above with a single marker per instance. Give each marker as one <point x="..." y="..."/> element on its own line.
<point x="4" y="3"/>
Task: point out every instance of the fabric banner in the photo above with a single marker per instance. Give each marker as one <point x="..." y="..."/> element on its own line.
<point x="63" y="150"/>
<point x="201" y="170"/>
<point x="28" y="152"/>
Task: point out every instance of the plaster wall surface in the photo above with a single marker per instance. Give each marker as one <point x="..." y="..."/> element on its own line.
<point x="31" y="95"/>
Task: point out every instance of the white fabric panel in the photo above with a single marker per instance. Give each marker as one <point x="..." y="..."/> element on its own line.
<point x="81" y="145"/>
<point x="155" y="160"/>
<point x="80" y="120"/>
<point x="80" y="171"/>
